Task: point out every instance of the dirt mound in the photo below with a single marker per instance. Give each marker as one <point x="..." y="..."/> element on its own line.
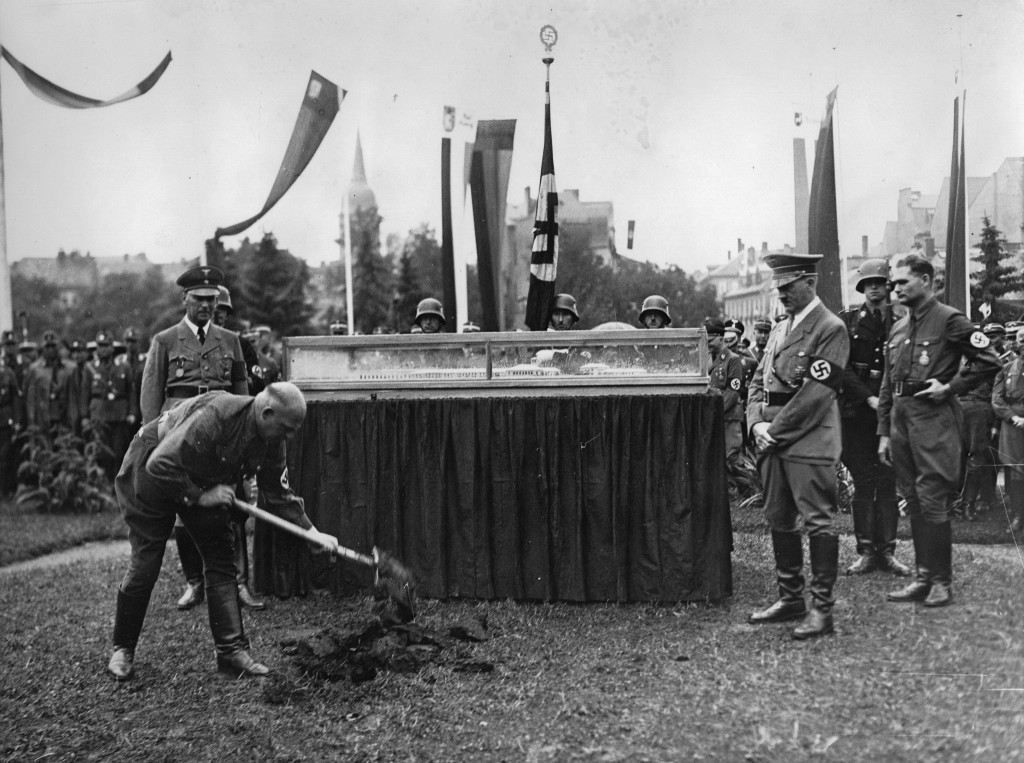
<point x="363" y="650"/>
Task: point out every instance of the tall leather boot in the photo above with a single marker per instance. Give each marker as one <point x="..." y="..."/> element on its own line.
<point x="228" y="635"/>
<point x="789" y="563"/>
<point x="824" y="570"/>
<point x="191" y="567"/>
<point x="128" y="619"/>
<point x="245" y="596"/>
<point x="864" y="531"/>
<point x="919" y="589"/>
<point x="940" y="542"/>
<point x="887" y="519"/>
<point x="1015" y="495"/>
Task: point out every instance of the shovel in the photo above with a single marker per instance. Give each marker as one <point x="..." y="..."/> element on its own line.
<point x="389" y="575"/>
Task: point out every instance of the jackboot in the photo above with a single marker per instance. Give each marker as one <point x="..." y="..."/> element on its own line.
<point x="940" y="542"/>
<point x="129" y="617"/>
<point x="1015" y="495"/>
<point x="789" y="563"/>
<point x="245" y="596"/>
<point x="887" y="523"/>
<point x="228" y="635"/>
<point x="191" y="567"/>
<point x="863" y="529"/>
<point x="824" y="571"/>
<point x="919" y="589"/>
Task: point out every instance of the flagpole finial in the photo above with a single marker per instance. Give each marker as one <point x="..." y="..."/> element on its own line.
<point x="548" y="36"/>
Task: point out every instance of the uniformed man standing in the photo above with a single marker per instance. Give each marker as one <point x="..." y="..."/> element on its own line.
<point x="189" y="359"/>
<point x="726" y="376"/>
<point x="136" y="362"/>
<point x="762" y="328"/>
<point x="111" y="406"/>
<point x="80" y="389"/>
<point x="1008" y="405"/>
<point x="794" y="421"/>
<point x="10" y="425"/>
<point x="46" y="388"/>
<point x="919" y="418"/>
<point x="186" y="464"/>
<point x="875" y="506"/>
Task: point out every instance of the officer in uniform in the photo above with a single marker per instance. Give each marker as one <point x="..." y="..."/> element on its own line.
<point x="919" y="417"/>
<point x="654" y="313"/>
<point x="429" y="316"/>
<point x="189" y="359"/>
<point x="46" y="388"/>
<point x="875" y="506"/>
<point x="10" y="358"/>
<point x="564" y="314"/>
<point x="186" y="464"/>
<point x="794" y="421"/>
<point x="136" y="362"/>
<point x="111" y="404"/>
<point x="979" y="489"/>
<point x="28" y="353"/>
<point x="10" y="425"/>
<point x="1008" y="406"/>
<point x="80" y="389"/>
<point x="726" y="376"/>
<point x="762" y="328"/>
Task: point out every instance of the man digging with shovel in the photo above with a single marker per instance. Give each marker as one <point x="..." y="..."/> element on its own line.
<point x="187" y="462"/>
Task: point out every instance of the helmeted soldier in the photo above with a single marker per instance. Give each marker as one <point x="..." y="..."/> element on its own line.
<point x="918" y="411"/>
<point x="111" y="406"/>
<point x="795" y="425"/>
<point x="189" y="359"/>
<point x="564" y="313"/>
<point x="875" y="505"/>
<point x="429" y="316"/>
<point x="46" y="388"/>
<point x="654" y="313"/>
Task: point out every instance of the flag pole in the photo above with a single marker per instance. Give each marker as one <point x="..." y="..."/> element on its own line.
<point x="349" y="297"/>
<point x="7" y="313"/>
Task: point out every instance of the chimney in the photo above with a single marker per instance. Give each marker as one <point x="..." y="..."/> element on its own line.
<point x="764" y="246"/>
<point x="526" y="195"/>
<point x="929" y="247"/>
<point x="739" y="245"/>
<point x="864" y="246"/>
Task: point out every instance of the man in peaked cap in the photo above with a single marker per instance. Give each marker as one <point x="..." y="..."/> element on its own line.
<point x="191" y="358"/>
<point x="794" y="421"/>
<point x="136" y="362"/>
<point x="111" y="407"/>
<point x="875" y="505"/>
<point x="762" y="328"/>
<point x="726" y="375"/>
<point x="79" y="387"/>
<point x="46" y="387"/>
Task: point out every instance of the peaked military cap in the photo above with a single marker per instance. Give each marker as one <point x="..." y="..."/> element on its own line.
<point x="203" y="281"/>
<point x="763" y="324"/>
<point x="131" y="335"/>
<point x="28" y="346"/>
<point x="103" y="338"/>
<point x="714" y="326"/>
<point x="734" y="325"/>
<point x="9" y="338"/>
<point x="76" y="346"/>
<point x="994" y="329"/>
<point x="50" y="339"/>
<point x="787" y="268"/>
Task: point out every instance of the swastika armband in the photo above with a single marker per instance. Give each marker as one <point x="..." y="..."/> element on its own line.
<point x="826" y="372"/>
<point x="734" y="384"/>
<point x="979" y="340"/>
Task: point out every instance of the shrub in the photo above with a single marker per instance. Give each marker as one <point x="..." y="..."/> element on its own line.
<point x="61" y="475"/>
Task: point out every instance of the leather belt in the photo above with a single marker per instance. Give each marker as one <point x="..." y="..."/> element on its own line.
<point x="778" y="398"/>
<point x="908" y="388"/>
<point x="183" y="392"/>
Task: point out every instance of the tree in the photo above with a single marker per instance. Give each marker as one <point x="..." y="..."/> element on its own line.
<point x="995" y="278"/>
<point x="419" y="276"/>
<point x="272" y="289"/>
<point x="371" y="273"/>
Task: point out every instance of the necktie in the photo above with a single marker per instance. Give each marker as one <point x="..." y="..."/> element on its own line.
<point x="202" y="335"/>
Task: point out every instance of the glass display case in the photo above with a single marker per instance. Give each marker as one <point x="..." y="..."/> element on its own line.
<point x="570" y="363"/>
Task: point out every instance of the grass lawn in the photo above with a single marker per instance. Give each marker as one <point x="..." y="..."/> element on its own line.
<point x="599" y="682"/>
<point x="26" y="535"/>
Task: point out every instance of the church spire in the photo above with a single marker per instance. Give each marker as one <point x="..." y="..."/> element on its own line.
<point x="360" y="195"/>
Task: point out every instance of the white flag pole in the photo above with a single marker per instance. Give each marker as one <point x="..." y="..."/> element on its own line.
<point x="6" y="303"/>
<point x="349" y="297"/>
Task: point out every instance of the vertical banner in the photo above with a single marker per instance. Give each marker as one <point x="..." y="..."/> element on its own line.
<point x="629" y="234"/>
<point x="448" y="296"/>
<point x="488" y="180"/>
<point x="956" y="283"/>
<point x="823" y="224"/>
<point x="544" y="256"/>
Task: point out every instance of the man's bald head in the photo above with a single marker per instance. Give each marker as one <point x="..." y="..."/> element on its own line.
<point x="280" y="411"/>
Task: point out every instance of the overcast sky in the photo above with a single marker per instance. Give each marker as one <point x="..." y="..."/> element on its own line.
<point x="679" y="112"/>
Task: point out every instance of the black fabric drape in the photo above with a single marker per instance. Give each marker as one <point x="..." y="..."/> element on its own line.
<point x="614" y="498"/>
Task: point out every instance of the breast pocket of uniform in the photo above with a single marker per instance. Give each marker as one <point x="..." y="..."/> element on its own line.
<point x="924" y="350"/>
<point x="793" y="367"/>
<point x="179" y="363"/>
<point x="225" y="366"/>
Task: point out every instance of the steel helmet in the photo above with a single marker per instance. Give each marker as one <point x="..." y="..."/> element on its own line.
<point x="224" y="298"/>
<point x="566" y="302"/>
<point x="870" y="270"/>
<point x="655" y="304"/>
<point x="429" y="306"/>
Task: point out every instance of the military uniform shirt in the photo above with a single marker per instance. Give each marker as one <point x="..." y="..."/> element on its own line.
<point x="726" y="375"/>
<point x="111" y="392"/>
